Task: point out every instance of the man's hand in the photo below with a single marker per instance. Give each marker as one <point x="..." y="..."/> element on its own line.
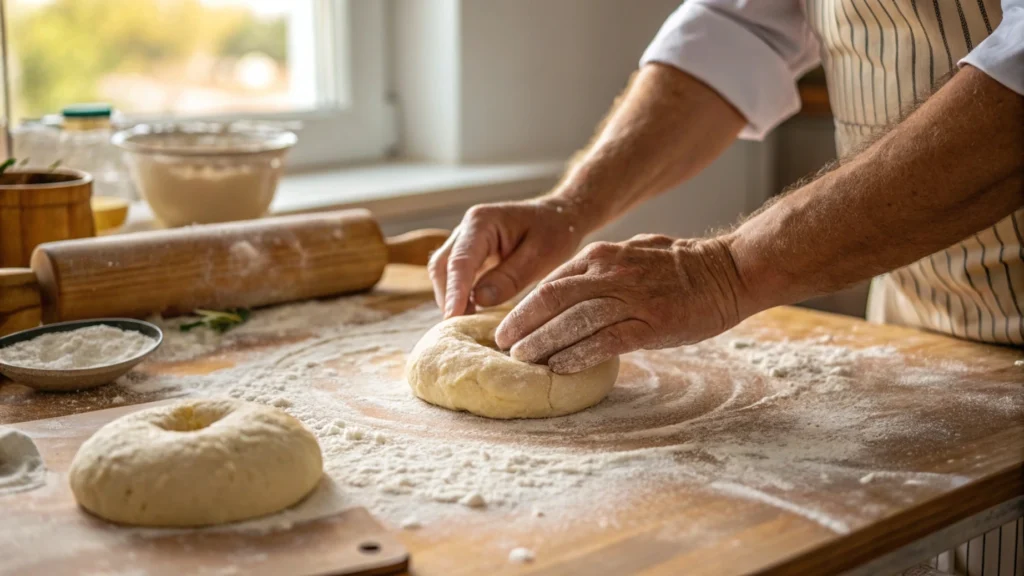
<point x="511" y="243"/>
<point x="667" y="126"/>
<point x="649" y="292"/>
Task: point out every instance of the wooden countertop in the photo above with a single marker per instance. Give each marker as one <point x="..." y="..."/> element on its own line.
<point x="972" y="406"/>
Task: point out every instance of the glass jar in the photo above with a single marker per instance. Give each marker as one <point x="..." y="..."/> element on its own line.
<point x="85" y="145"/>
<point x="36" y="143"/>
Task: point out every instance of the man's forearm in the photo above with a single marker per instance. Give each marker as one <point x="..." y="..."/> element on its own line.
<point x="952" y="168"/>
<point x="665" y="128"/>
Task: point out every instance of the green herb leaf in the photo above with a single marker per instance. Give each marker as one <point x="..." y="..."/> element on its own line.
<point x="220" y="321"/>
<point x="7" y="164"/>
<point x="188" y="327"/>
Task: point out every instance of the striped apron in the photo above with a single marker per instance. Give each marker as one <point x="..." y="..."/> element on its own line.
<point x="880" y="58"/>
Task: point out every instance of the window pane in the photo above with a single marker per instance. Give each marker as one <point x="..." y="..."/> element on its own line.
<point x="188" y="57"/>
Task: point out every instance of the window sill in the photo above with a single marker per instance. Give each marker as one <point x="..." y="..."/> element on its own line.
<point x="395" y="192"/>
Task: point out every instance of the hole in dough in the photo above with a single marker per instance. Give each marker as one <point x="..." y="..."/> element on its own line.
<point x="490" y="343"/>
<point x="188" y="419"/>
<point x="487" y="343"/>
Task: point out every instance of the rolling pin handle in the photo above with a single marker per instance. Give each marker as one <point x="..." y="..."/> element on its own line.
<point x="10" y="277"/>
<point x="415" y="247"/>
<point x="20" y="302"/>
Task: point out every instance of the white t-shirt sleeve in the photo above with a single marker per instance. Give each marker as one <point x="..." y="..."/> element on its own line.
<point x="1001" y="55"/>
<point x="750" y="51"/>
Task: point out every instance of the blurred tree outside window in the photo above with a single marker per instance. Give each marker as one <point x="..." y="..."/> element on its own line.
<point x="162" y="57"/>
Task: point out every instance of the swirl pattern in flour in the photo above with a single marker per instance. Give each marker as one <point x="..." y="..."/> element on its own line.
<point x="746" y="415"/>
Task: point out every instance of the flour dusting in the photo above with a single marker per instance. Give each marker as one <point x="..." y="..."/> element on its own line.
<point x="520" y="555"/>
<point x="21" y="466"/>
<point x="748" y="415"/>
<point x="292" y="320"/>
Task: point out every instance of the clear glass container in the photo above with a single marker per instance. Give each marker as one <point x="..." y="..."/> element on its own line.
<point x="36" y="143"/>
<point x="85" y="145"/>
<point x="202" y="173"/>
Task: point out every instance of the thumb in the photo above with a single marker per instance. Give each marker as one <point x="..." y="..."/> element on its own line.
<point x="511" y="275"/>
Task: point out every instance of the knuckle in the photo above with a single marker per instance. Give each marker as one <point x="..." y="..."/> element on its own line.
<point x="459" y="262"/>
<point x="645" y="335"/>
<point x="479" y="213"/>
<point x="506" y="277"/>
<point x="454" y="283"/>
<point x="459" y="256"/>
<point x="622" y="276"/>
<point x="616" y="338"/>
<point x="600" y="250"/>
<point x="436" y="264"/>
<point x="548" y="294"/>
<point x="650" y="239"/>
<point x="461" y="252"/>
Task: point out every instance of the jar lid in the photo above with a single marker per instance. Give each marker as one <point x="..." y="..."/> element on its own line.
<point x="97" y="110"/>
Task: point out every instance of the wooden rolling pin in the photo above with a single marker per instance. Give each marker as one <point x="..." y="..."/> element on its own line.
<point x="218" y="266"/>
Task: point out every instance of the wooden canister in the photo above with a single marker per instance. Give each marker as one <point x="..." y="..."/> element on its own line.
<point x="42" y="206"/>
<point x="20" y="303"/>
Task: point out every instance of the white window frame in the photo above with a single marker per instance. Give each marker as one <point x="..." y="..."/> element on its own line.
<point x="352" y="121"/>
<point x="357" y="124"/>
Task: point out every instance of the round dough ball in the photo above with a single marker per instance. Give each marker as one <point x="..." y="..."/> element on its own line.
<point x="196" y="463"/>
<point x="457" y="365"/>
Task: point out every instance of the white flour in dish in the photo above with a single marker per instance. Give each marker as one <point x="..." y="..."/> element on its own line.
<point x="87" y="347"/>
<point x="730" y="423"/>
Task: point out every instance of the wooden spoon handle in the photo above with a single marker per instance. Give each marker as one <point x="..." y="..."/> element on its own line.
<point x="415" y="247"/>
<point x="20" y="303"/>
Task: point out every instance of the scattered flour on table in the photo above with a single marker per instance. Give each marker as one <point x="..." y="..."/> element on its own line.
<point x="411" y="523"/>
<point x="293" y="319"/>
<point x="726" y="424"/>
<point x="82" y="348"/>
<point x="520" y="555"/>
<point x="21" y="466"/>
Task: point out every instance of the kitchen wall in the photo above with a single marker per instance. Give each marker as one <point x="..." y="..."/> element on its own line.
<point x="512" y="80"/>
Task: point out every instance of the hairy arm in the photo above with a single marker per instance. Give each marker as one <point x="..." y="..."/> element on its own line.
<point x="667" y="127"/>
<point x="953" y="167"/>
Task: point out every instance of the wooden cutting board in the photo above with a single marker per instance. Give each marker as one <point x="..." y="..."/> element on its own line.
<point x="679" y="526"/>
<point x="44" y="532"/>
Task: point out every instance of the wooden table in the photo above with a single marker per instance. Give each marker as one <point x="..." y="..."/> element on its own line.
<point x="686" y="529"/>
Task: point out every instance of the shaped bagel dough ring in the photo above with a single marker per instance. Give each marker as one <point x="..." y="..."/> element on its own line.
<point x="457" y="365"/>
<point x="196" y="463"/>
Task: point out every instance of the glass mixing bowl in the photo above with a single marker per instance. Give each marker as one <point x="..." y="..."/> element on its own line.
<point x="204" y="173"/>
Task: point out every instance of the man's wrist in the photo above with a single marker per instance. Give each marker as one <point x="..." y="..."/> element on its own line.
<point x="584" y="208"/>
<point x="759" y="284"/>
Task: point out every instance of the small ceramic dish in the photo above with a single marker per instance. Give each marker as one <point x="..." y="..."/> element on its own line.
<point x="77" y="378"/>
